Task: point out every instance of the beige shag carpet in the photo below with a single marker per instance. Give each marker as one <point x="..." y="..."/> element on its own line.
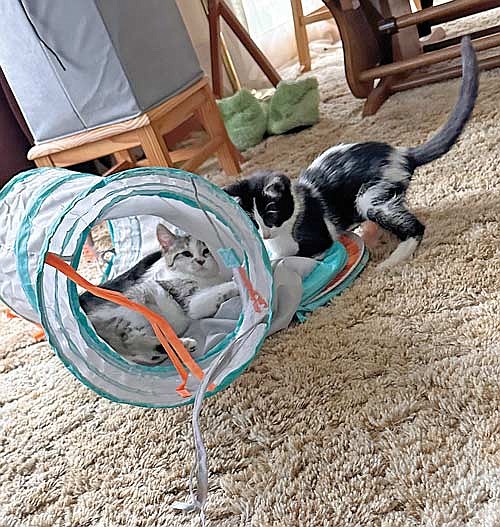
<point x="381" y="410"/>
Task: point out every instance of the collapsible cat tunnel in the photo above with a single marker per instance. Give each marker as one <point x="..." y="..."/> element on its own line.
<point x="47" y="214"/>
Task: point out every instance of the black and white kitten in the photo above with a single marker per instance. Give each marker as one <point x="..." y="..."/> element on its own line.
<point x="349" y="184"/>
<point x="190" y="288"/>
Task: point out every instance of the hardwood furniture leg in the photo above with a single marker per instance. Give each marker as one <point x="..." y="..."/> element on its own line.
<point x="44" y="161"/>
<point x="118" y="167"/>
<point x="359" y="54"/>
<point x="208" y="114"/>
<point x="124" y="155"/>
<point x="229" y="65"/>
<point x="243" y="35"/>
<point x="300" y="22"/>
<point x="215" y="49"/>
<point x="219" y="8"/>
<point x="154" y="147"/>
<point x="378" y="96"/>
<point x="226" y="56"/>
<point x="301" y="36"/>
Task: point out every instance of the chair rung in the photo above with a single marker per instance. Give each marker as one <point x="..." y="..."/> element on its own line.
<point x="445" y="12"/>
<point x="426" y="59"/>
<point x="203" y="154"/>
<point x="442" y="74"/>
<point x="323" y="13"/>
<point x="447" y="42"/>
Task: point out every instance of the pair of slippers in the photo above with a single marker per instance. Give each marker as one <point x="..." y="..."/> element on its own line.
<point x="294" y="104"/>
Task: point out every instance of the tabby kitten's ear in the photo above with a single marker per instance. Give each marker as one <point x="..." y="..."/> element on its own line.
<point x="277" y="186"/>
<point x="165" y="237"/>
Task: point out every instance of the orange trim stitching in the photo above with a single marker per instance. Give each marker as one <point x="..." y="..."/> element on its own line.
<point x="256" y="298"/>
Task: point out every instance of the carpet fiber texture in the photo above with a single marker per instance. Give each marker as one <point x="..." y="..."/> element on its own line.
<point x="381" y="410"/>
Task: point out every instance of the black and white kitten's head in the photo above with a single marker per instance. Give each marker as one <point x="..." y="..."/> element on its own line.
<point x="267" y="197"/>
<point x="186" y="255"/>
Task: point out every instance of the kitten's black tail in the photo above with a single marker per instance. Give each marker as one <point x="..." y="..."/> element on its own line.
<point x="447" y="135"/>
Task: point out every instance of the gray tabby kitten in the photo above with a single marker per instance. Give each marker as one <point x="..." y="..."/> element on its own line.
<point x="191" y="288"/>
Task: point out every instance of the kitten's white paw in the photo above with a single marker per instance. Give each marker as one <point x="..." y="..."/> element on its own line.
<point x="403" y="252"/>
<point x="206" y="303"/>
<point x="197" y="310"/>
<point x="385" y="265"/>
<point x="190" y="344"/>
<point x="228" y="290"/>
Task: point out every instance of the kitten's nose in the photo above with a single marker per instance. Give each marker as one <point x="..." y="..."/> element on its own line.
<point x="198" y="261"/>
<point x="266" y="235"/>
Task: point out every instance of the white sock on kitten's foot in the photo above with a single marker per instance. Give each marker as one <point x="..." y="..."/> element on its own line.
<point x="403" y="252"/>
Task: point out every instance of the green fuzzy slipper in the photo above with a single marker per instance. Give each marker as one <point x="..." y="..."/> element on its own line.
<point x="293" y="105"/>
<point x="245" y="119"/>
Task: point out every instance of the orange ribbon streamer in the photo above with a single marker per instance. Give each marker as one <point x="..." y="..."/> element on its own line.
<point x="166" y="335"/>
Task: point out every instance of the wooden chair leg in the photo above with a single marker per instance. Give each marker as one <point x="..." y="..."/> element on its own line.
<point x="210" y="118"/>
<point x="118" y="167"/>
<point x="301" y="36"/>
<point x="44" y="161"/>
<point x="377" y="97"/>
<point x="154" y="147"/>
<point x="215" y="46"/>
<point x="124" y="155"/>
<point x="244" y="37"/>
<point x="236" y="153"/>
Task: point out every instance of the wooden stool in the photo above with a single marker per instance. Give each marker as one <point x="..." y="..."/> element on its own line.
<point x="148" y="131"/>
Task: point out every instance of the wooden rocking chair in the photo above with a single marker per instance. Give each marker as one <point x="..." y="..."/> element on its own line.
<point x="381" y="43"/>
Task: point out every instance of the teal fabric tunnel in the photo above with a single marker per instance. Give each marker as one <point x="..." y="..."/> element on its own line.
<point x="53" y="209"/>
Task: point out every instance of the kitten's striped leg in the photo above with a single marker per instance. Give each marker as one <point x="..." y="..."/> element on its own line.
<point x="393" y="216"/>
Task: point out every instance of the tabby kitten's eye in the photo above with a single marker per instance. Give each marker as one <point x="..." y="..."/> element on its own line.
<point x="187" y="254"/>
<point x="206" y="252"/>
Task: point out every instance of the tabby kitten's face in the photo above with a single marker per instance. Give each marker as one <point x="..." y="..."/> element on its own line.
<point x="186" y="255"/>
